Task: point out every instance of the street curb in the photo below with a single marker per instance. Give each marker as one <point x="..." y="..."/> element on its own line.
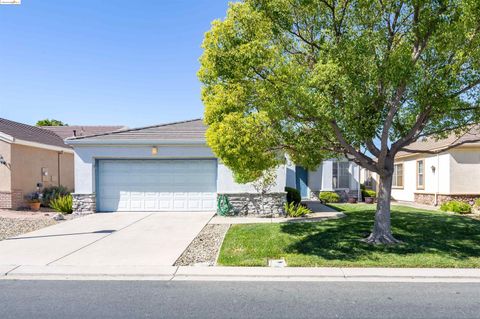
<point x="185" y="273"/>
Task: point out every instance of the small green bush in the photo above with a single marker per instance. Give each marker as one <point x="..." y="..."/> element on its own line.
<point x="369" y="193"/>
<point x="456" y="207"/>
<point x="293" y="195"/>
<point x="53" y="192"/>
<point x="296" y="210"/>
<point x="329" y="197"/>
<point x="62" y="204"/>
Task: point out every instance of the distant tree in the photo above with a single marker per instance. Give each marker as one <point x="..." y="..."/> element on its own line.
<point x="50" y="122"/>
<point x="318" y="79"/>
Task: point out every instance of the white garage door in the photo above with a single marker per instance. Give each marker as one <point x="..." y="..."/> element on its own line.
<point x="156" y="185"/>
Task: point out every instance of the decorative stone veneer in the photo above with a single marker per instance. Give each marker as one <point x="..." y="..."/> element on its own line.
<point x="84" y="204"/>
<point x="429" y="198"/>
<point x="315" y="195"/>
<point x="251" y="204"/>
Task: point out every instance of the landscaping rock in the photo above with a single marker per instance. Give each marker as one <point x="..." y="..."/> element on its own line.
<point x="204" y="249"/>
<point x="58" y="217"/>
<point x="10" y="227"/>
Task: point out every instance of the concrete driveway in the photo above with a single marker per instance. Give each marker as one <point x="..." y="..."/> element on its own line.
<point x="115" y="239"/>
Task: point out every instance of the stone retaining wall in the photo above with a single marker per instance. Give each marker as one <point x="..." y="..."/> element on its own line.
<point x="84" y="204"/>
<point x="251" y="204"/>
<point x="429" y="198"/>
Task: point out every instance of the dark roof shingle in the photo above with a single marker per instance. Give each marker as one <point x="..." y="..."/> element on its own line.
<point x="185" y="130"/>
<point x="30" y="133"/>
<point x="82" y="130"/>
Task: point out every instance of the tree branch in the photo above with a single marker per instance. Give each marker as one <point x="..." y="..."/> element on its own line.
<point x="420" y="123"/>
<point x="364" y="160"/>
<point x="465" y="89"/>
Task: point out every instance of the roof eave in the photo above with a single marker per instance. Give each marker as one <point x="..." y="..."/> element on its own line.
<point x="6" y="138"/>
<point x="49" y="147"/>
<point x="79" y="142"/>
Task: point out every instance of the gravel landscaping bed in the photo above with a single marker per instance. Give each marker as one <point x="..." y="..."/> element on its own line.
<point x="205" y="247"/>
<point x="10" y="227"/>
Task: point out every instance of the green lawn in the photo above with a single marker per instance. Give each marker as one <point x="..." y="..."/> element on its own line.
<point x="431" y="239"/>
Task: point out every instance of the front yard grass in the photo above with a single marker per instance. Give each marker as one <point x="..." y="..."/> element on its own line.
<point x="431" y="239"/>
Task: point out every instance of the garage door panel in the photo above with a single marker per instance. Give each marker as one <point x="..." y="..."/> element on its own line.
<point x="156" y="185"/>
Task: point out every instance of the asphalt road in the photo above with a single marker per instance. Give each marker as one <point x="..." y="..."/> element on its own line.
<point x="147" y="299"/>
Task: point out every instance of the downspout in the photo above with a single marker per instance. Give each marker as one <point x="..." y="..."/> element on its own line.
<point x="438" y="180"/>
<point x="359" y="192"/>
<point x="58" y="166"/>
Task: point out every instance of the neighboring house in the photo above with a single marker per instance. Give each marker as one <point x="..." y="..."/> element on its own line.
<point x="30" y="155"/>
<point x="435" y="178"/>
<point x="169" y="167"/>
<point x="82" y="130"/>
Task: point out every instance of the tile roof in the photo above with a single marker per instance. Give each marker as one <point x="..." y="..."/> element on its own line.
<point x="184" y="130"/>
<point x="82" y="130"/>
<point x="431" y="144"/>
<point x="30" y="133"/>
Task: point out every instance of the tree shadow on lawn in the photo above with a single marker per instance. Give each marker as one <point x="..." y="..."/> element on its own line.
<point x="422" y="232"/>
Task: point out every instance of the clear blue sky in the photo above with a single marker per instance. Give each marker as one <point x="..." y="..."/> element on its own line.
<point x="103" y="62"/>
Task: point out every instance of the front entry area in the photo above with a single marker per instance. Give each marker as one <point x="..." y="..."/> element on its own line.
<point x="156" y="185"/>
<point x="301" y="181"/>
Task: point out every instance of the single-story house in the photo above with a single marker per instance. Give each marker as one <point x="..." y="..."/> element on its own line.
<point x="432" y="179"/>
<point x="169" y="167"/>
<point x="29" y="156"/>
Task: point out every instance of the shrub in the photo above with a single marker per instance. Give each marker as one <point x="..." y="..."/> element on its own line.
<point x="369" y="193"/>
<point x="293" y="195"/>
<point x="329" y="197"/>
<point x="456" y="207"/>
<point x="53" y="192"/>
<point x="296" y="210"/>
<point x="33" y="197"/>
<point x="62" y="204"/>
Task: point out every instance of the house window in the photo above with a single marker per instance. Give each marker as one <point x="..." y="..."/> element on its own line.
<point x="341" y="175"/>
<point x="398" y="176"/>
<point x="421" y="174"/>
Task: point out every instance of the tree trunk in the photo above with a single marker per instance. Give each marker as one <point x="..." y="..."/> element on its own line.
<point x="382" y="231"/>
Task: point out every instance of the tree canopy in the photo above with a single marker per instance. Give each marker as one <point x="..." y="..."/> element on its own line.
<point x="50" y="122"/>
<point x="318" y="78"/>
<point x="323" y="78"/>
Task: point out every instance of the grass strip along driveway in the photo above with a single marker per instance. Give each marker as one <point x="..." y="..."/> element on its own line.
<point x="431" y="239"/>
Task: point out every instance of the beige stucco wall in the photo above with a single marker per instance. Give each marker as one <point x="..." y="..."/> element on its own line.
<point x="5" y="178"/>
<point x="435" y="181"/>
<point x="465" y="171"/>
<point x="27" y="164"/>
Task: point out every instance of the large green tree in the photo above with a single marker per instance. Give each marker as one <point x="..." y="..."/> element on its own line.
<point x="322" y="78"/>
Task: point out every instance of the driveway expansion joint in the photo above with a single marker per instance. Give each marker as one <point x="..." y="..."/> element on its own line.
<point x="99" y="239"/>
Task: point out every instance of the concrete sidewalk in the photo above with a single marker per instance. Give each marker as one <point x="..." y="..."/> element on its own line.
<point x="166" y="273"/>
